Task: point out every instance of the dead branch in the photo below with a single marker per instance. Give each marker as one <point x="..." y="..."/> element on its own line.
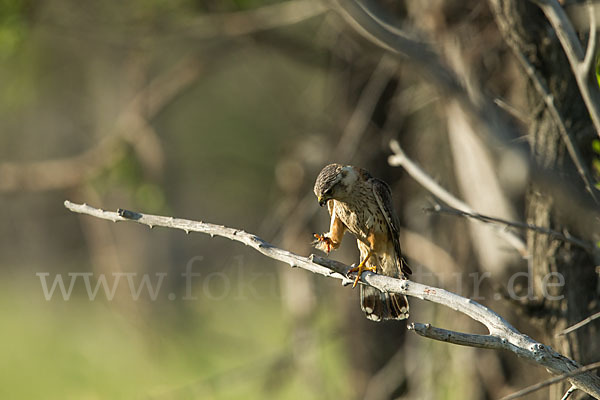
<point x="580" y="324"/>
<point x="438" y="208"/>
<point x="569" y="392"/>
<point x="552" y="381"/>
<point x="399" y="158"/>
<point x="502" y="335"/>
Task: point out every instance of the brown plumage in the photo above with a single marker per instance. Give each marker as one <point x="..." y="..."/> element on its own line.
<point x="362" y="204"/>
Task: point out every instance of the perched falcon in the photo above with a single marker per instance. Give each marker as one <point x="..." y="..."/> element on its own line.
<point x="361" y="204"/>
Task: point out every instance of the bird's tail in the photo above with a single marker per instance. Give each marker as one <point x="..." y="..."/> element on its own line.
<point x="378" y="305"/>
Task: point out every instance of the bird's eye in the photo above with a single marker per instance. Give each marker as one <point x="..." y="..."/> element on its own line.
<point x="327" y="192"/>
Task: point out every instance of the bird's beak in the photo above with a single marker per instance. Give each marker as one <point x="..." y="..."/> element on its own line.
<point x="322" y="201"/>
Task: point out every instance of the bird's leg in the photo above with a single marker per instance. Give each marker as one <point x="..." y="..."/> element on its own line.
<point x="332" y="239"/>
<point x="371" y="241"/>
<point x="361" y="267"/>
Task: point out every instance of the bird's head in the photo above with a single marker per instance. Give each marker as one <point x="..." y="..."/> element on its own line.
<point x="335" y="181"/>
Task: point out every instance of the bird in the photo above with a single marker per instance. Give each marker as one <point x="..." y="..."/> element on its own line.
<point x="361" y="204"/>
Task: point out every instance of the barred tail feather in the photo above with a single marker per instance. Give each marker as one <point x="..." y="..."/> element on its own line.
<point x="378" y="305"/>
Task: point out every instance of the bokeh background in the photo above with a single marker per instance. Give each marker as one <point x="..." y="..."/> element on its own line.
<point x="225" y="111"/>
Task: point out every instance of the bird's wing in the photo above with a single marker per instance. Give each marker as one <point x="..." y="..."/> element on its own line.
<point x="383" y="195"/>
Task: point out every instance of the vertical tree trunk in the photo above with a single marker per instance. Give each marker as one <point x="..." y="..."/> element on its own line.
<point x="526" y="30"/>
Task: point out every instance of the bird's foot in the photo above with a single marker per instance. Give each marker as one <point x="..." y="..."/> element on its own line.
<point x="323" y="243"/>
<point x="360" y="269"/>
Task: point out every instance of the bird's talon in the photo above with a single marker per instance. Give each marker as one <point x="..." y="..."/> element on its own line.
<point x="361" y="267"/>
<point x="359" y="270"/>
<point x="356" y="281"/>
<point x="323" y="240"/>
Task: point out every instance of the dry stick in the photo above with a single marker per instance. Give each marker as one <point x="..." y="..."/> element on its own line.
<point x="521" y="225"/>
<point x="579" y="324"/>
<point x="554" y="380"/>
<point x="542" y="88"/>
<point x="512" y="110"/>
<point x="569" y="392"/>
<point x="502" y="335"/>
<point x="399" y="158"/>
<point x="581" y="63"/>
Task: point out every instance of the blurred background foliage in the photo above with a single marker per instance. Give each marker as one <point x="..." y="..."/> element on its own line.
<point x="165" y="107"/>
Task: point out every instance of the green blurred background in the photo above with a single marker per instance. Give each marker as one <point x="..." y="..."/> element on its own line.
<point x="167" y="107"/>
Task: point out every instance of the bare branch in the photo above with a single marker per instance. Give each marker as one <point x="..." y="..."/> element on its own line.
<point x="591" y="51"/>
<point x="520" y="225"/>
<point x="566" y="32"/>
<point x="552" y="381"/>
<point x="580" y="62"/>
<point x="216" y="230"/>
<point x="502" y="335"/>
<point x="580" y="324"/>
<point x="512" y="110"/>
<point x="399" y="158"/>
<point x="569" y="393"/>
<point x="460" y="338"/>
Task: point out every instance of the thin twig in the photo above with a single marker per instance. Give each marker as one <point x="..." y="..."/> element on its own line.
<point x="520" y="225"/>
<point x="569" y="392"/>
<point x="399" y="158"/>
<point x="552" y="381"/>
<point x="502" y="335"/>
<point x="579" y="324"/>
<point x="512" y="110"/>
